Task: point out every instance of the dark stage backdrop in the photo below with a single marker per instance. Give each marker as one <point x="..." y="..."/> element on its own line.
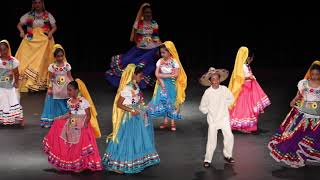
<point x="204" y="33"/>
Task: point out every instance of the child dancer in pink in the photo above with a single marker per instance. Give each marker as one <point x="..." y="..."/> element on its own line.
<point x="70" y="143"/>
<point x="250" y="100"/>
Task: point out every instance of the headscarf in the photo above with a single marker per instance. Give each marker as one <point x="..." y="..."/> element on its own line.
<point x="93" y="121"/>
<point x="8" y="44"/>
<point x="181" y="81"/>
<point x="308" y="75"/>
<point x="138" y="18"/>
<point x="117" y="113"/>
<point x="237" y="77"/>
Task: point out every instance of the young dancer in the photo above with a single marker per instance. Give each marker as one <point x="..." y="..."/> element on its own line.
<point x="215" y="102"/>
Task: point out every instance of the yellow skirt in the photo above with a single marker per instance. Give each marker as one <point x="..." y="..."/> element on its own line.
<point x="35" y="56"/>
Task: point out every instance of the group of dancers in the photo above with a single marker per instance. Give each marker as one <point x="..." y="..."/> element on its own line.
<point x="71" y="115"/>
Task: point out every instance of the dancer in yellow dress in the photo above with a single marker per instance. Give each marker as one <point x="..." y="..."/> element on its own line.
<point x="35" y="49"/>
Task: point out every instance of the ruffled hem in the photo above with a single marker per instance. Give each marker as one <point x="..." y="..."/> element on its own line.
<point x="130" y="167"/>
<point x="245" y="125"/>
<point x="46" y="122"/>
<point x="14" y="116"/>
<point x="261" y="105"/>
<point x="306" y="152"/>
<point x="160" y="110"/>
<point x="77" y="165"/>
<point x="32" y="81"/>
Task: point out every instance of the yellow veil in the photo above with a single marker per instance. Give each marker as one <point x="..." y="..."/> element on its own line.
<point x="8" y="44"/>
<point x="117" y="113"/>
<point x="181" y="82"/>
<point x="237" y="77"/>
<point x="307" y="76"/>
<point x="93" y="121"/>
<point x="138" y="18"/>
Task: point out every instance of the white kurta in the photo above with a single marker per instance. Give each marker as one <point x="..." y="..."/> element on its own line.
<point x="215" y="103"/>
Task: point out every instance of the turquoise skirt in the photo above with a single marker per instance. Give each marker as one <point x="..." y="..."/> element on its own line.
<point x="52" y="109"/>
<point x="134" y="148"/>
<point x="163" y="103"/>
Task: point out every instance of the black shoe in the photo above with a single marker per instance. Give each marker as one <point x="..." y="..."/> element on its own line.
<point x="229" y="160"/>
<point x="206" y="164"/>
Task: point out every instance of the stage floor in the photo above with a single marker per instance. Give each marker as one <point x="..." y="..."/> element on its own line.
<point x="181" y="152"/>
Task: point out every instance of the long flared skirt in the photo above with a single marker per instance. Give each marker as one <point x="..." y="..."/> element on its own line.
<point x="250" y="103"/>
<point x="134" y="149"/>
<point x="72" y="157"/>
<point x="35" y="56"/>
<point x="297" y="140"/>
<point x="52" y="109"/>
<point x="140" y="57"/>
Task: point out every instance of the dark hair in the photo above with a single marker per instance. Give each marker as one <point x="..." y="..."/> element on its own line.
<point x="5" y="44"/>
<point x="57" y="51"/>
<point x="138" y="70"/>
<point x="35" y="0"/>
<point x="315" y="67"/>
<point x="74" y="84"/>
<point x="146" y="7"/>
<point x="162" y="46"/>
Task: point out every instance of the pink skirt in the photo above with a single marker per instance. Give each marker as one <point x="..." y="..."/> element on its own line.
<point x="250" y="103"/>
<point x="72" y="157"/>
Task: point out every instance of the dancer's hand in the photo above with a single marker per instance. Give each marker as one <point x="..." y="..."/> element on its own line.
<point x="163" y="86"/>
<point x="53" y="75"/>
<point x="50" y="91"/>
<point x="50" y="35"/>
<point x="15" y="84"/>
<point x="22" y="34"/>
<point x="85" y="124"/>
<point x="293" y="103"/>
<point x="134" y="112"/>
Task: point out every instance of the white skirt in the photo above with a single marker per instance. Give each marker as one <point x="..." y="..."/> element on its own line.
<point x="10" y="108"/>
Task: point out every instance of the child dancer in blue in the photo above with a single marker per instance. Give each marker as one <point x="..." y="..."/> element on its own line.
<point x="131" y="147"/>
<point x="60" y="75"/>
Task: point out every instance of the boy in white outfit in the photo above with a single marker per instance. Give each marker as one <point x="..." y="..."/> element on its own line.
<point x="215" y="102"/>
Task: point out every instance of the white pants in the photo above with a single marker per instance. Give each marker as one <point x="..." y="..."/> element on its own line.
<point x="212" y="142"/>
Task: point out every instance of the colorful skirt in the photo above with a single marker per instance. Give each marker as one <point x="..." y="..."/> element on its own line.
<point x="72" y="157"/>
<point x="133" y="149"/>
<point x="52" y="109"/>
<point x="162" y="104"/>
<point x="10" y="108"/>
<point x="35" y="57"/>
<point x="141" y="57"/>
<point x="250" y="103"/>
<point x="297" y="140"/>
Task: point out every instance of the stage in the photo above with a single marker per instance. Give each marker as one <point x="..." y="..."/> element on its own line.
<point x="181" y="152"/>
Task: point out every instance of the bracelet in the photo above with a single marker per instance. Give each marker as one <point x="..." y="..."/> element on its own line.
<point x="133" y="111"/>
